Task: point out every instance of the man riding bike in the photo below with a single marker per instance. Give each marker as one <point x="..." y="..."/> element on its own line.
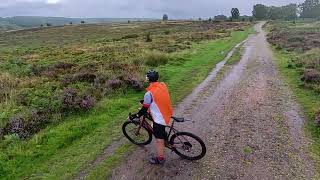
<point x="157" y="103"/>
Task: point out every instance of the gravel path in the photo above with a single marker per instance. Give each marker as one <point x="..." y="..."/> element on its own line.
<point x="249" y="121"/>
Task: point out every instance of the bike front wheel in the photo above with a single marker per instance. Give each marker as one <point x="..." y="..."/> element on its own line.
<point x="138" y="135"/>
<point x="188" y="146"/>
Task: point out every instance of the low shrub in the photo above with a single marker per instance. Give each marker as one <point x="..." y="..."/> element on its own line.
<point x="156" y="58"/>
<point x="1" y="132"/>
<point x="8" y="83"/>
<point x="16" y="125"/>
<point x="130" y="36"/>
<point x="114" y="83"/>
<point x="45" y="97"/>
<point x="38" y="119"/>
<point x="87" y="102"/>
<point x="8" y="139"/>
<point x="240" y="29"/>
<point x="115" y="66"/>
<point x="135" y="83"/>
<point x="279" y="47"/>
<point x="72" y="101"/>
<point x="148" y="37"/>
<point x="116" y="39"/>
<point x="311" y="59"/>
<point x="84" y="77"/>
<point x="317" y="119"/>
<point x="37" y="70"/>
<point x="17" y="67"/>
<point x="78" y="77"/>
<point x="138" y="61"/>
<point x="311" y="76"/>
<point x="290" y="64"/>
<point x="63" y="65"/>
<point x="90" y="67"/>
<point x="188" y="43"/>
<point x="66" y="80"/>
<point x="25" y="125"/>
<point x="52" y="71"/>
<point x="296" y="39"/>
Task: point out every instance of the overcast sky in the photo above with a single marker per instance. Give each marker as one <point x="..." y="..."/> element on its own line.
<point x="130" y="8"/>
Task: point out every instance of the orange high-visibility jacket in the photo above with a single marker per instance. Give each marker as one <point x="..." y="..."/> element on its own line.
<point x="160" y="107"/>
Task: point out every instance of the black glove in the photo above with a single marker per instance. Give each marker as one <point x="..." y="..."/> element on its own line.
<point x="133" y="116"/>
<point x="141" y="102"/>
<point x="143" y="111"/>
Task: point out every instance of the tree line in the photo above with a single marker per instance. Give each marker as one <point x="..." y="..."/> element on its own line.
<point x="307" y="9"/>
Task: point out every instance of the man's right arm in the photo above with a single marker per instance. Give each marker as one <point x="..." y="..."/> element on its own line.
<point x="147" y="100"/>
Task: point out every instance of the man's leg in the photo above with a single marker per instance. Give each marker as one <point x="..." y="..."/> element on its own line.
<point x="160" y="148"/>
<point x="160" y="135"/>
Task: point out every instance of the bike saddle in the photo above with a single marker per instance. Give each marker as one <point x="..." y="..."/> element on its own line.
<point x="178" y="119"/>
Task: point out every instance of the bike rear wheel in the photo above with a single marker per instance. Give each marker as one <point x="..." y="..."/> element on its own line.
<point x="138" y="135"/>
<point x="188" y="146"/>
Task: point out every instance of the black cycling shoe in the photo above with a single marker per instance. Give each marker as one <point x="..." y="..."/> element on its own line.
<point x="156" y="161"/>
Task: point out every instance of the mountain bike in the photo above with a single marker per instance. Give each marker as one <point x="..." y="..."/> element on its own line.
<point x="187" y="145"/>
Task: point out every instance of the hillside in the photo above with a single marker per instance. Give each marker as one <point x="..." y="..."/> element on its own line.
<point x="7" y="26"/>
<point x="35" y="21"/>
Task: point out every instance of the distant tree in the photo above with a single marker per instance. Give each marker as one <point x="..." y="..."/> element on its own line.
<point x="274" y="13"/>
<point x="210" y="19"/>
<point x="82" y="22"/>
<point x="70" y="23"/>
<point x="290" y="11"/>
<point x="48" y="24"/>
<point x="165" y="17"/>
<point x="129" y="21"/>
<point x="260" y="11"/>
<point x="41" y="25"/>
<point x="220" y="18"/>
<point x="200" y="19"/>
<point x="245" y="18"/>
<point x="235" y="13"/>
<point x="310" y="9"/>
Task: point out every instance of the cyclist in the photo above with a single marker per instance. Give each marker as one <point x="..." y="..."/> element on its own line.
<point x="157" y="102"/>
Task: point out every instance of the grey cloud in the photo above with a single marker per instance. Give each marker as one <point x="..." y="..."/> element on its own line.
<point x="131" y="8"/>
<point x="29" y="8"/>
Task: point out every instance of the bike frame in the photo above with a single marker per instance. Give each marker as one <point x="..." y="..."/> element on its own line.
<point x="144" y="122"/>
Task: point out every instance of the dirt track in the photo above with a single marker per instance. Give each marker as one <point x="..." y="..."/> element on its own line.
<point x="249" y="121"/>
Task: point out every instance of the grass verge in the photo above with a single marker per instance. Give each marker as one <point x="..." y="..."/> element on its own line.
<point x="60" y="151"/>
<point x="235" y="58"/>
<point x="104" y="170"/>
<point x="307" y="98"/>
